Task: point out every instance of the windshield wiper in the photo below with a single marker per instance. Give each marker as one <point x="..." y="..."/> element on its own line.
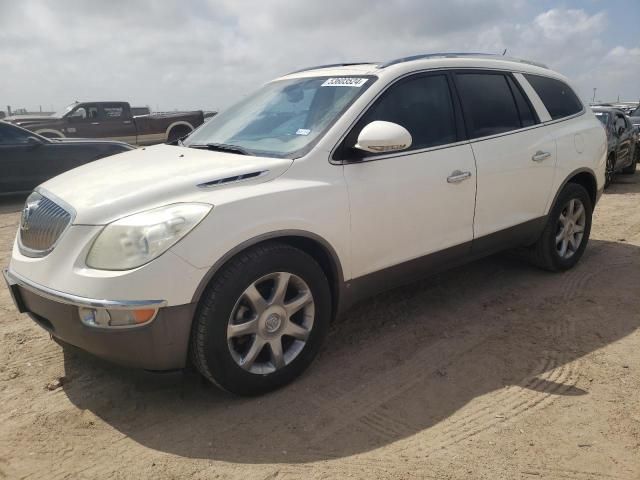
<point x="222" y="147"/>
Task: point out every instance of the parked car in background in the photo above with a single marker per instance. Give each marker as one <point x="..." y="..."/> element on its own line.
<point x="233" y="250"/>
<point x="28" y="159"/>
<point x="635" y="117"/>
<point x="621" y="141"/>
<point x="112" y="120"/>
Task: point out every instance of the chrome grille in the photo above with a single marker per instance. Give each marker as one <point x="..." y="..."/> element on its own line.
<point x="41" y="224"/>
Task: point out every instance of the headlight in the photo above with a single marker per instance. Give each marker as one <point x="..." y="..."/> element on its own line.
<point x="137" y="239"/>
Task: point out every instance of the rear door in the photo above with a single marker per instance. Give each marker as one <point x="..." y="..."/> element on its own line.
<point x="410" y="204"/>
<point x="117" y="122"/>
<point x="515" y="158"/>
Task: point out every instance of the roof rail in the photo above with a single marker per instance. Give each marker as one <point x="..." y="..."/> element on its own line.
<point x="458" y="55"/>
<point x="331" y="65"/>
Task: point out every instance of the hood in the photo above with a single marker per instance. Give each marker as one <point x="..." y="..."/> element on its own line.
<point x="31" y="118"/>
<point x="107" y="189"/>
<point x="91" y="141"/>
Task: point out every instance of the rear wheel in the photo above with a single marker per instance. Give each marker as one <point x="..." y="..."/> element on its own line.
<point x="566" y="234"/>
<point x="609" y="171"/>
<point x="262" y="320"/>
<point x="178" y="132"/>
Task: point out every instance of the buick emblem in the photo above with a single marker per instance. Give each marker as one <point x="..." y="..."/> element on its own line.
<point x="24" y="220"/>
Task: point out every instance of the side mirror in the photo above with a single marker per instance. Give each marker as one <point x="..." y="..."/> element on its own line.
<point x="381" y="137"/>
<point x="620" y="131"/>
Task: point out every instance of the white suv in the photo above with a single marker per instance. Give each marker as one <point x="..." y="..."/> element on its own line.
<point x="234" y="249"/>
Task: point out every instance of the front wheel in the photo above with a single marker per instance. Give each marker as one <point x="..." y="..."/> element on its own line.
<point x="262" y="320"/>
<point x="631" y="169"/>
<point x="566" y="234"/>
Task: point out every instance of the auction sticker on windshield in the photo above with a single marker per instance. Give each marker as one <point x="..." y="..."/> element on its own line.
<point x="344" y="82"/>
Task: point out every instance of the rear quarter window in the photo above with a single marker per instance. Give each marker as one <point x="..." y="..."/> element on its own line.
<point x="558" y="98"/>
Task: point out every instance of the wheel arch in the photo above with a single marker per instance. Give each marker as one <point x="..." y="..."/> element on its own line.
<point x="50" y="131"/>
<point x="314" y="245"/>
<point x="584" y="177"/>
<point x="181" y="123"/>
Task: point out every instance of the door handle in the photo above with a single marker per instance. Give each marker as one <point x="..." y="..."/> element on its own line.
<point x="95" y="123"/>
<point x="540" y="156"/>
<point x="127" y="122"/>
<point x="457" y="176"/>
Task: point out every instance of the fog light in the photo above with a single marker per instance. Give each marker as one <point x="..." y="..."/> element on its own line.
<point x="100" y="317"/>
<point x="94" y="317"/>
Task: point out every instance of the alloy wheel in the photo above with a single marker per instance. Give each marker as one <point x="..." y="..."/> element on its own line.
<point x="570" y="228"/>
<point x="608" y="174"/>
<point x="270" y="323"/>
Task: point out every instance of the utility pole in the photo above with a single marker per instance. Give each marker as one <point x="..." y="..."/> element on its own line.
<point x="594" y="94"/>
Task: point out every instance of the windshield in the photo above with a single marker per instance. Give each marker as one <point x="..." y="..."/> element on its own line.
<point x="635" y="113"/>
<point x="602" y="116"/>
<point x="284" y="118"/>
<point x="63" y="112"/>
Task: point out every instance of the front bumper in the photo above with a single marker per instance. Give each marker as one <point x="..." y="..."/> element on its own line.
<point x="161" y="344"/>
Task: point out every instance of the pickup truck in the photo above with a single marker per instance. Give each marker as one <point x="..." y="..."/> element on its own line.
<point x="114" y="121"/>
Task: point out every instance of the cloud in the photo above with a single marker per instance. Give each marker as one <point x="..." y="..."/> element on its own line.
<point x="206" y="53"/>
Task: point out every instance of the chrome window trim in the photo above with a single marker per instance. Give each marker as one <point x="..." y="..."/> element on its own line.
<point x="31" y="253"/>
<point x="401" y="154"/>
<point x="368" y="106"/>
<point x="448" y="145"/>
<point x="13" y="278"/>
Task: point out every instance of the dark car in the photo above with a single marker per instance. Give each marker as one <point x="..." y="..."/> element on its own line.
<point x="634" y="116"/>
<point x="621" y="139"/>
<point x="114" y="121"/>
<point x="28" y="159"/>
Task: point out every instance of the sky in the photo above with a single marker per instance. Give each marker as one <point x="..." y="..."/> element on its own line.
<point x="207" y="54"/>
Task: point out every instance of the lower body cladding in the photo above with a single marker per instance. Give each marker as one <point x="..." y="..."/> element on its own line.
<point x="159" y="344"/>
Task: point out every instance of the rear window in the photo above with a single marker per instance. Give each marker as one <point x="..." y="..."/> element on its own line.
<point x="557" y="96"/>
<point x="113" y="111"/>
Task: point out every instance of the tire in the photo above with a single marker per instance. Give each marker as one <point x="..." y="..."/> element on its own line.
<point x="631" y="169"/>
<point x="178" y="132"/>
<point x="225" y="355"/>
<point x="546" y="252"/>
<point x="609" y="172"/>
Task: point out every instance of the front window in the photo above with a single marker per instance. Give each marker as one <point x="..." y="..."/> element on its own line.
<point x="12" y="136"/>
<point x="284" y="118"/>
<point x="64" y="111"/>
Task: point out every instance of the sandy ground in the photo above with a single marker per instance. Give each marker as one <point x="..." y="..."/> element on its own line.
<point x="494" y="370"/>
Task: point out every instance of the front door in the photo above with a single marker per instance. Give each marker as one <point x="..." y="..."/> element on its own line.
<point x="84" y="122"/>
<point x="407" y="205"/>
